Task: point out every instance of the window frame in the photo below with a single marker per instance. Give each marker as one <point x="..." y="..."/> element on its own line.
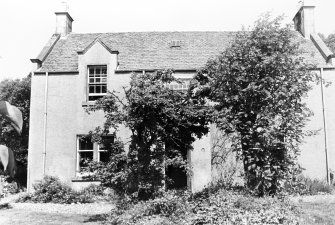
<point x="96" y="152"/>
<point x="88" y="81"/>
<point x="180" y="87"/>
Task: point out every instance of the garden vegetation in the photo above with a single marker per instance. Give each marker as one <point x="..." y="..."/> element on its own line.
<point x="258" y="85"/>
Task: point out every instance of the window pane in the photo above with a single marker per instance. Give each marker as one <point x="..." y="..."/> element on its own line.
<point x="97" y="89"/>
<point x="97" y="71"/>
<point x="106" y="142"/>
<point x="104" y="70"/>
<point x="91" y="80"/>
<point x="104" y="80"/>
<point x="91" y="71"/>
<point x="104" y="88"/>
<point x="84" y="158"/>
<point x="93" y="98"/>
<point x="91" y="89"/>
<point x="104" y="156"/>
<point x="85" y="144"/>
<point x="98" y="80"/>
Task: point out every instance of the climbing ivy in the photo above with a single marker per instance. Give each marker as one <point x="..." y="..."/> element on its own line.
<point x="163" y="122"/>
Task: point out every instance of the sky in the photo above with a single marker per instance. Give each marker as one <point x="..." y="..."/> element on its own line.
<point x="26" y="25"/>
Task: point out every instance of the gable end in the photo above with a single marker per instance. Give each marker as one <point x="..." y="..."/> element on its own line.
<point x="93" y="43"/>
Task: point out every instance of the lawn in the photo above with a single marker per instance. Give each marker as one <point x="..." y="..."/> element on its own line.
<point x="53" y="214"/>
<point x="14" y="216"/>
<point x="319" y="209"/>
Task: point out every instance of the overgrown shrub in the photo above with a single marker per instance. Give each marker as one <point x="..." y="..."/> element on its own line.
<point x="161" y="210"/>
<point x="307" y="186"/>
<point x="112" y="174"/>
<point x="51" y="189"/>
<point x="98" y="193"/>
<point x="258" y="84"/>
<point x="167" y="205"/>
<point x="93" y="189"/>
<point x="212" y="206"/>
<point x="11" y="188"/>
<point x="7" y="188"/>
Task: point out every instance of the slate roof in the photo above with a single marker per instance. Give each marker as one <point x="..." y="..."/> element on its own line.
<point x="151" y="50"/>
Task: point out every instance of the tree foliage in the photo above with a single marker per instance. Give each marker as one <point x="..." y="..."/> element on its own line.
<point x="163" y="123"/>
<point x="257" y="86"/>
<point x="113" y="173"/>
<point x="329" y="41"/>
<point x="17" y="93"/>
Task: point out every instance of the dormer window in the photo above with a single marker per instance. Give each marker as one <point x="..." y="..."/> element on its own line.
<point x="97" y="82"/>
<point x="176" y="44"/>
<point x="182" y="86"/>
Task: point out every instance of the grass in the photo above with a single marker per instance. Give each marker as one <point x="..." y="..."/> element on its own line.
<point x="26" y="217"/>
<point x="319" y="209"/>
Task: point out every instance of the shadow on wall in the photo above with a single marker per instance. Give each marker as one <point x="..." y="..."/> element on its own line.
<point x="227" y="168"/>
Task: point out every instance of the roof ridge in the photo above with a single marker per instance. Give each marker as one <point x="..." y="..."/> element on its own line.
<point x="145" y="32"/>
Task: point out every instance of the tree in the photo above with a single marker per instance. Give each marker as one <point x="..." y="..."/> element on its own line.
<point x="258" y="85"/>
<point x="329" y="41"/>
<point x="163" y="122"/>
<point x="17" y="93"/>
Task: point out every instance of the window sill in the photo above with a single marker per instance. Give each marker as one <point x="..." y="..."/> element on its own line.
<point x="80" y="179"/>
<point x="86" y="104"/>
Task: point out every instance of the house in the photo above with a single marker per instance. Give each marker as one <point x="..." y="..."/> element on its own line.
<point x="73" y="70"/>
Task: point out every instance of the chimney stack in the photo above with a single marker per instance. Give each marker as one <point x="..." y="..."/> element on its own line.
<point x="63" y="21"/>
<point x="304" y="20"/>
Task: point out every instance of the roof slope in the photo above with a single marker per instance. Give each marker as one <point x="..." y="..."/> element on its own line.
<point x="152" y="50"/>
<point x="48" y="47"/>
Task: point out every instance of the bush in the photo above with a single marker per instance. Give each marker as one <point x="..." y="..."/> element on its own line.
<point x="208" y="207"/>
<point x="8" y="188"/>
<point x="226" y="207"/>
<point x="50" y="189"/>
<point x="307" y="186"/>
<point x="93" y="190"/>
<point x="161" y="210"/>
<point x="111" y="174"/>
<point x="170" y="203"/>
<point x="98" y="193"/>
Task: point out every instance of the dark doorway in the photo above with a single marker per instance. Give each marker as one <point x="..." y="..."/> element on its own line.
<point x="176" y="173"/>
<point x="176" y="178"/>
